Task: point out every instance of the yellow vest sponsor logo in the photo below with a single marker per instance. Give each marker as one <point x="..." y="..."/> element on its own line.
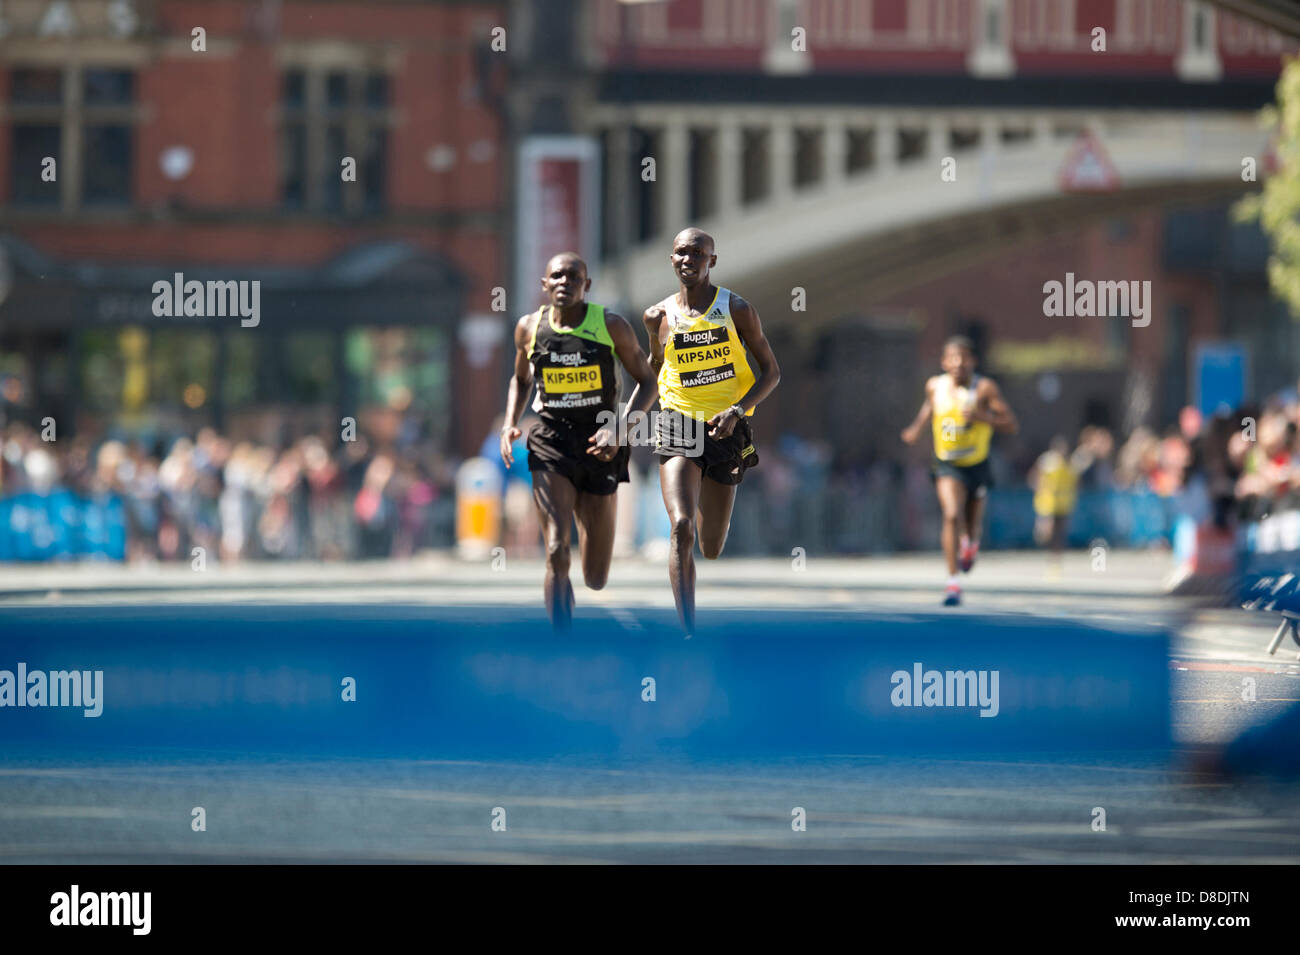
<point x="707" y="376"/>
<point x="700" y="337"/>
<point x="566" y="380"/>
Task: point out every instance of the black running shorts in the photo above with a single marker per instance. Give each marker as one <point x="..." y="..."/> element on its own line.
<point x="977" y="478"/>
<point x="562" y="450"/>
<point x="723" y="460"/>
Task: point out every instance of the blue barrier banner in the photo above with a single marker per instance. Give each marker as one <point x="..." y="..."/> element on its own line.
<point x="62" y="525"/>
<point x="1219" y="376"/>
<point x="1274" y="541"/>
<point x="437" y="683"/>
<point x="1270" y="591"/>
<point x="1270" y="564"/>
<point x="1121" y="518"/>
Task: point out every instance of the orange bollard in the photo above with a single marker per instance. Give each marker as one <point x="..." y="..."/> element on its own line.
<point x="478" y="508"/>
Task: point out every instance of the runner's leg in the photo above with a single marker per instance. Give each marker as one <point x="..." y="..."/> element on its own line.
<point x="952" y="501"/>
<point x="714" y="517"/>
<point x="1059" y="524"/>
<point x="974" y="517"/>
<point x="679" y="480"/>
<point x="554" y="496"/>
<point x="596" y="518"/>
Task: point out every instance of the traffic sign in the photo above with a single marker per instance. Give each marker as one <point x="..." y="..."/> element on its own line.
<point x="1088" y="168"/>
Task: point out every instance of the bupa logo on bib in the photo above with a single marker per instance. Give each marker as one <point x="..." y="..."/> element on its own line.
<point x="705" y="336"/>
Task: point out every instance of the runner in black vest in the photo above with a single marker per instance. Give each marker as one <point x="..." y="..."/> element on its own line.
<point x="568" y="348"/>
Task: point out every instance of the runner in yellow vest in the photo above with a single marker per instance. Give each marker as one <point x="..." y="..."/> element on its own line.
<point x="964" y="410"/>
<point x="701" y="339"/>
<point x="1055" y="493"/>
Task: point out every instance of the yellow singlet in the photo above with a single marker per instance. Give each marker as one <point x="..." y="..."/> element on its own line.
<point x="958" y="440"/>
<point x="706" y="368"/>
<point x="1057" y="486"/>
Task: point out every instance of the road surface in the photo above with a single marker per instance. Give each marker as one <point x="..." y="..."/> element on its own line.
<point x="86" y="807"/>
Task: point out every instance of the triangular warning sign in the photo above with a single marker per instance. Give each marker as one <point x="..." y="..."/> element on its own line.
<point x="1087" y="167"/>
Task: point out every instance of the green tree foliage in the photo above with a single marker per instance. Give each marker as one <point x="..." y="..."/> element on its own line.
<point x="1277" y="205"/>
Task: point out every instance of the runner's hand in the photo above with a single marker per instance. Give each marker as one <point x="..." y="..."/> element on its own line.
<point x="722" y="424"/>
<point x="508" y="437"/>
<point x="603" y="446"/>
<point x="910" y="434"/>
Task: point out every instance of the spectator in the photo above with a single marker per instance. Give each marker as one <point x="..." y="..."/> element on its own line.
<point x="374" y="509"/>
<point x="1092" y="459"/>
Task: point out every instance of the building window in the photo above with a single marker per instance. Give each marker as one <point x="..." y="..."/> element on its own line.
<point x="31" y="144"/>
<point x="861" y="152"/>
<point x="755" y="173"/>
<point x="83" y="118"/>
<point x="37" y="87"/>
<point x="703" y="184"/>
<point x="1198" y="60"/>
<point x="990" y="54"/>
<point x="329" y="114"/>
<point x="808" y="147"/>
<point x="106" y="165"/>
<point x="644" y="142"/>
<point x="107" y="87"/>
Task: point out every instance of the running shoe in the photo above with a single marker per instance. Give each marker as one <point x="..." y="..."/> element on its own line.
<point x="952" y="596"/>
<point x="967" y="559"/>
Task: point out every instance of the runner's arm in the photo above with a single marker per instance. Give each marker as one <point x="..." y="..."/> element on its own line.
<point x="996" y="411"/>
<point x="628" y="348"/>
<point x="521" y="383"/>
<point x="1035" y="473"/>
<point x="913" y="430"/>
<point x="604" y="443"/>
<point x="750" y="330"/>
<point x="654" y="320"/>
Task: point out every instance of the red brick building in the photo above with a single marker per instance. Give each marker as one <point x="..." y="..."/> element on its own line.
<point x="214" y="139"/>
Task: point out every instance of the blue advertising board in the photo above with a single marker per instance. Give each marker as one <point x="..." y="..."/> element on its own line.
<point x="476" y="682"/>
<point x="1220" y="372"/>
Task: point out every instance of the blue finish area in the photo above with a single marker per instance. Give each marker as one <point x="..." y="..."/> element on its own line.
<point x="494" y="682"/>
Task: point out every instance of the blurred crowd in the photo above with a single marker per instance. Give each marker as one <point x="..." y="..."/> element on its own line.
<point x="1238" y="465"/>
<point x="329" y="500"/>
<point x="242" y="500"/>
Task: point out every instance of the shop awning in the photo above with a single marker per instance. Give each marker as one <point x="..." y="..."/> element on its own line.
<point x="372" y="283"/>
